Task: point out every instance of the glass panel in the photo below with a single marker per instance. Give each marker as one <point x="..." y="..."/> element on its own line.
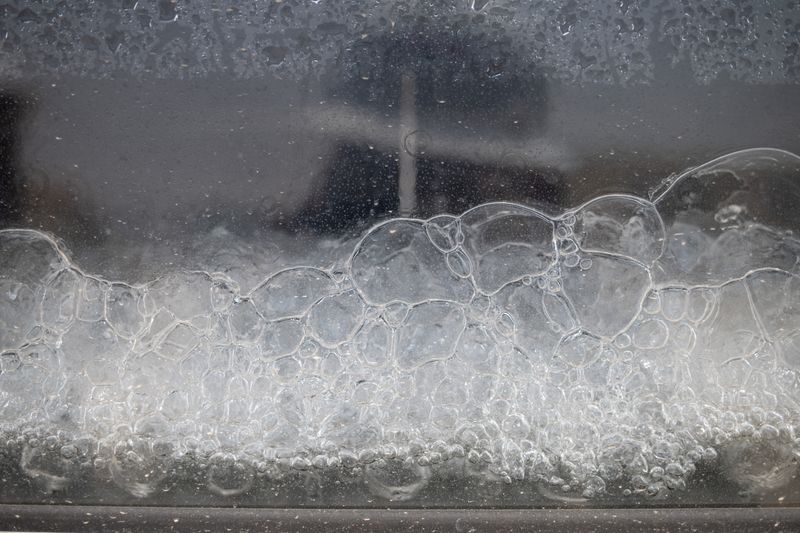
<point x="462" y="253"/>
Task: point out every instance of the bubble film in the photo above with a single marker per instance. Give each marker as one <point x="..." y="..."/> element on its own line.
<point x="615" y="348"/>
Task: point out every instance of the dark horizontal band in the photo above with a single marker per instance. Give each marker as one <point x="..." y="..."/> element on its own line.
<point x="113" y="518"/>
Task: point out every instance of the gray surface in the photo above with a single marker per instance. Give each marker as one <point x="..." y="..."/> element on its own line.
<point x="87" y="518"/>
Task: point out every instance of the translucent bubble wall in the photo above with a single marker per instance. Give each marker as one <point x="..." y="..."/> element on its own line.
<point x="615" y="348"/>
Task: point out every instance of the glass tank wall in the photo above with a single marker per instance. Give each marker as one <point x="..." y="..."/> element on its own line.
<point x="460" y="253"/>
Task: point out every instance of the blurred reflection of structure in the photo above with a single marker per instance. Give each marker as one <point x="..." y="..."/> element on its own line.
<point x="29" y="196"/>
<point x="429" y="120"/>
<point x="12" y="109"/>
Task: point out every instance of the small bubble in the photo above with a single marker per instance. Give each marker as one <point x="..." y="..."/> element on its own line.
<point x="417" y="142"/>
<point x="69" y="451"/>
<point x="459" y="264"/>
<point x="652" y="303"/>
<point x="572" y="260"/>
<point x="568" y="247"/>
<point x="623" y="340"/>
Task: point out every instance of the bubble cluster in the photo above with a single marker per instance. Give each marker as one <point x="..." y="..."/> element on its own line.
<point x="595" y="348"/>
<point x="576" y="40"/>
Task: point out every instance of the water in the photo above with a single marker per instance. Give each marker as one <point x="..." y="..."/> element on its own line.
<point x="616" y="348"/>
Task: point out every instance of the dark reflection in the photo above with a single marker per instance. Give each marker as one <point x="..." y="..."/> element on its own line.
<point x="12" y="109"/>
<point x="361" y="184"/>
<point x="31" y="196"/>
<point x="464" y="78"/>
<point x="455" y="186"/>
<point x="442" y="119"/>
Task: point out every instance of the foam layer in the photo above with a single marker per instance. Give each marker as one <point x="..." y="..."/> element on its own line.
<point x="620" y="343"/>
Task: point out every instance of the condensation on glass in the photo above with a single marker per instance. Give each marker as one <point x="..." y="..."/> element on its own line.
<point x="464" y="253"/>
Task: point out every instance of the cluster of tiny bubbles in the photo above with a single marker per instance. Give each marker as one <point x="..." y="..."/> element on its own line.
<point x="601" y="347"/>
<point x="247" y="39"/>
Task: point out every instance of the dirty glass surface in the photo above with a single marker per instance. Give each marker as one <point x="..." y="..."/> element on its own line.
<point x="343" y="253"/>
